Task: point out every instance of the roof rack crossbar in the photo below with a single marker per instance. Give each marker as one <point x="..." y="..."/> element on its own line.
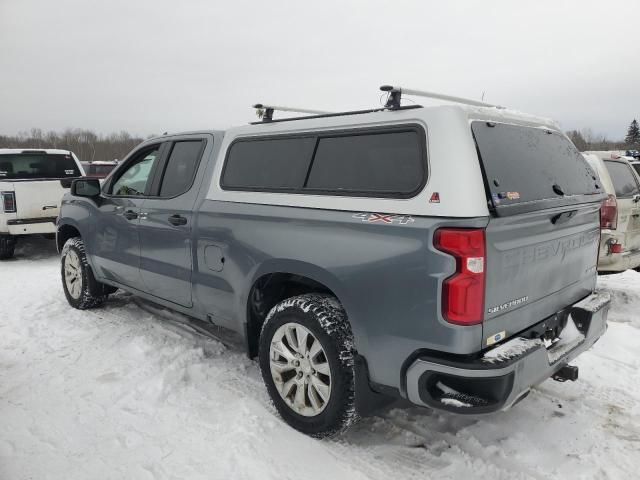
<point x="395" y="95"/>
<point x="338" y="114"/>
<point x="265" y="112"/>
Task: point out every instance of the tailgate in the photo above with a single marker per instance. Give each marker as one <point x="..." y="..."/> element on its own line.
<point x="538" y="263"/>
<point x="38" y="198"/>
<point x="542" y="238"/>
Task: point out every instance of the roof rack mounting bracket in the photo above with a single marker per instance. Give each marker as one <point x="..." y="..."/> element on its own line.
<point x="395" y="95"/>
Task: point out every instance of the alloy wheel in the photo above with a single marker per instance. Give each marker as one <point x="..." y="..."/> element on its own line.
<point x="300" y="369"/>
<point x="73" y="274"/>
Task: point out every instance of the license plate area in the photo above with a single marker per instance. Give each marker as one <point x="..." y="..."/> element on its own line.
<point x="549" y="329"/>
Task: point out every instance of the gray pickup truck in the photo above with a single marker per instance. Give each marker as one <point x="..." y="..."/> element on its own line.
<point x="446" y="255"/>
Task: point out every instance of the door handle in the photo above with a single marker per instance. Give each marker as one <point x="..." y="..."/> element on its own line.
<point x="563" y="217"/>
<point x="130" y="215"/>
<point x="177" y="220"/>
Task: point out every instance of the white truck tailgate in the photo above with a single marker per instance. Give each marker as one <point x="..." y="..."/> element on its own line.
<point x="38" y="199"/>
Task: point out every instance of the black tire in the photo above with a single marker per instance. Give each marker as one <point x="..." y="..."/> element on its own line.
<point x="7" y="246"/>
<point x="90" y="293"/>
<point x="325" y="318"/>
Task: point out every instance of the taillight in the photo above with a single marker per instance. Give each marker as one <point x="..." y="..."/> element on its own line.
<point x="609" y="213"/>
<point x="616" y="247"/>
<point x="8" y="202"/>
<point x="463" y="292"/>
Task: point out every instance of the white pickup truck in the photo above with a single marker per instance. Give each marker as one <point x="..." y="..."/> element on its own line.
<point x="32" y="182"/>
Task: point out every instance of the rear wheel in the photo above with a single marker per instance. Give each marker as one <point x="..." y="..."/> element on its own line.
<point x="79" y="285"/>
<point x="7" y="246"/>
<point x="307" y="363"/>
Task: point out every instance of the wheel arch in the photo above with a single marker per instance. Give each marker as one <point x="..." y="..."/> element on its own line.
<point x="64" y="232"/>
<point x="274" y="281"/>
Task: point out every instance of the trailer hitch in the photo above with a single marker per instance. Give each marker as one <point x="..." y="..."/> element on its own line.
<point x="568" y="372"/>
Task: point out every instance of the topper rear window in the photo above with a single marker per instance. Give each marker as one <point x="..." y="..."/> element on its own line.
<point x="22" y="166"/>
<point x="533" y="166"/>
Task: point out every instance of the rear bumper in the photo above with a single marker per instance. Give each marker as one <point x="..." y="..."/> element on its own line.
<point x="29" y="226"/>
<point x="505" y="374"/>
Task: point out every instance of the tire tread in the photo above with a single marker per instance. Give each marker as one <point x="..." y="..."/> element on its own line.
<point x="332" y="319"/>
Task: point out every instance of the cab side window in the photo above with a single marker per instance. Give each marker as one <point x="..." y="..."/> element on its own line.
<point x="181" y="167"/>
<point x="134" y="179"/>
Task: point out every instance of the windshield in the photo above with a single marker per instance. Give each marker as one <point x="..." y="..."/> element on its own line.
<point x="622" y="178"/>
<point x="37" y="165"/>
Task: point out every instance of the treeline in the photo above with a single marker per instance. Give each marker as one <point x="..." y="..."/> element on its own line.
<point x="90" y="147"/>
<point x="86" y="144"/>
<point x="586" y="140"/>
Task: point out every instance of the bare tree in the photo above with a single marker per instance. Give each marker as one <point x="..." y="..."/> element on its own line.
<point x="578" y="140"/>
<point x="86" y="144"/>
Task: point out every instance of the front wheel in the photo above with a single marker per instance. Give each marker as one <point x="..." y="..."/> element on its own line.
<point x="79" y="285"/>
<point x="307" y="362"/>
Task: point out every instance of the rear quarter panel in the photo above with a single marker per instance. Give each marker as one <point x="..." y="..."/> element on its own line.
<point x="387" y="275"/>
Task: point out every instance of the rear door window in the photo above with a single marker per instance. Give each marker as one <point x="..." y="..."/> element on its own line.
<point x="378" y="163"/>
<point x="181" y="167"/>
<point x="269" y="164"/>
<point x="623" y="180"/>
<point x="525" y="165"/>
<point x="37" y="166"/>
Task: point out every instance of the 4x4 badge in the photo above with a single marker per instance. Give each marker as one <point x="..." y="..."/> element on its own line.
<point x="384" y="218"/>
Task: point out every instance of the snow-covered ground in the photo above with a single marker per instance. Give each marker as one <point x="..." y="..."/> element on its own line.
<point x="120" y="392"/>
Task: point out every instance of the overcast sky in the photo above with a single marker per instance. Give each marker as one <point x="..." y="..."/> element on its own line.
<point x="150" y="66"/>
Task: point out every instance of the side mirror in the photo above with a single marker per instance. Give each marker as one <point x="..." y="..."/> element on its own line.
<point x="636" y="198"/>
<point x="86" y="187"/>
